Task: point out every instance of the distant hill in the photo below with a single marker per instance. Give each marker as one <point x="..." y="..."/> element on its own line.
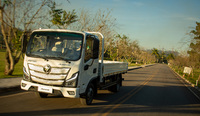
<point x="166" y="52"/>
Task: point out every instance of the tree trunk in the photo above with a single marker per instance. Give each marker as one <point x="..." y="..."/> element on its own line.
<point x="9" y="31"/>
<point x="9" y="64"/>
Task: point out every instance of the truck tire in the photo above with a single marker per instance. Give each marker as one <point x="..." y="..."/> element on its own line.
<point x="41" y="95"/>
<point x="89" y="95"/>
<point x="115" y="88"/>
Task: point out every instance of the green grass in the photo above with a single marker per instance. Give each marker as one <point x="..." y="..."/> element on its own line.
<point x="17" y="70"/>
<point x="133" y="64"/>
<point x="192" y="77"/>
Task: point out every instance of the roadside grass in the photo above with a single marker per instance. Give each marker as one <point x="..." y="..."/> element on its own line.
<point x="17" y="70"/>
<point x="192" y="77"/>
<point x="133" y="64"/>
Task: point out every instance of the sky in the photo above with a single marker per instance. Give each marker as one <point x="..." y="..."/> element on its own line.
<point x="161" y="24"/>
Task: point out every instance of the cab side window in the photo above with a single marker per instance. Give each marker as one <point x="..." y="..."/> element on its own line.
<point x="89" y="48"/>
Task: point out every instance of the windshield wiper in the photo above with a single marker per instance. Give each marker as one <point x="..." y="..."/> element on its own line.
<point x="50" y="57"/>
<point x="45" y="58"/>
<point x="58" y="58"/>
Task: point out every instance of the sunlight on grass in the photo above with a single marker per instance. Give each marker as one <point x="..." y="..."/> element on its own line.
<point x="192" y="77"/>
<point x="17" y="70"/>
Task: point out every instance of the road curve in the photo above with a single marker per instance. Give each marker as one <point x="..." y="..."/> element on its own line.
<point x="153" y="90"/>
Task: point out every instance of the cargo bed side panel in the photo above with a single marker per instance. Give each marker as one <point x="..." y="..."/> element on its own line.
<point x="114" y="67"/>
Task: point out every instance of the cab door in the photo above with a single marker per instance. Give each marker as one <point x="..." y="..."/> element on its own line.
<point x="91" y="61"/>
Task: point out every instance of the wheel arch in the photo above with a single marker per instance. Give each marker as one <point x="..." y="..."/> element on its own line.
<point x="94" y="82"/>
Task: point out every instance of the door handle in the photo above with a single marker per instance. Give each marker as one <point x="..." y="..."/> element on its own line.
<point x="95" y="70"/>
<point x="86" y="67"/>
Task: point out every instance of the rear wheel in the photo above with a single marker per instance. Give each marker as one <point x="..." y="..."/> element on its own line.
<point x="115" y="88"/>
<point x="41" y="95"/>
<point x="89" y="95"/>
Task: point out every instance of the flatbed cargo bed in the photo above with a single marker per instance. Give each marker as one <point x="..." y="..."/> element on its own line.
<point x="114" y="67"/>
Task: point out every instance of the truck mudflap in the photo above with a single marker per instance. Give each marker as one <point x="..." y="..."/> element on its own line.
<point x="66" y="92"/>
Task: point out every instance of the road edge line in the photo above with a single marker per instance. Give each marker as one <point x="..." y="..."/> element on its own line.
<point x="192" y="85"/>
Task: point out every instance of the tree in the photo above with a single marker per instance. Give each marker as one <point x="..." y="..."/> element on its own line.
<point x="16" y="18"/>
<point x="61" y="18"/>
<point x="194" y="52"/>
<point x="123" y="48"/>
<point x="163" y="58"/>
<point x="156" y="53"/>
<point x="102" y="21"/>
<point x="134" y="51"/>
<point x="122" y="44"/>
<point x="171" y="56"/>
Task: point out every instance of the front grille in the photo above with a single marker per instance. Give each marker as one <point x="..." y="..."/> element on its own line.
<point x="56" y="76"/>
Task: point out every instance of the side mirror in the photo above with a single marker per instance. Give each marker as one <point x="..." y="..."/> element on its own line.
<point x="24" y="43"/>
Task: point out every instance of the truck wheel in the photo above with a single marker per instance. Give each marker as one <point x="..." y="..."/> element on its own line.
<point x="41" y="95"/>
<point x="89" y="95"/>
<point x="114" y="88"/>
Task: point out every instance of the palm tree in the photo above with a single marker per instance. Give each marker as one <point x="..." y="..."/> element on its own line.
<point x="156" y="53"/>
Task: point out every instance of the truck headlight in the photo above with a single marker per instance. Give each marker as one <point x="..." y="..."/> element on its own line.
<point x="26" y="76"/>
<point x="72" y="82"/>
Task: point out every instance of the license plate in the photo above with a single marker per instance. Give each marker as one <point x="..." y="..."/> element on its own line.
<point x="45" y="89"/>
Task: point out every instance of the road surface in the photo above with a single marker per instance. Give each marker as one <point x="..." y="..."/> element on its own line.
<point x="149" y="91"/>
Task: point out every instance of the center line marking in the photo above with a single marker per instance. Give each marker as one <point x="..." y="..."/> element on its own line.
<point x="124" y="98"/>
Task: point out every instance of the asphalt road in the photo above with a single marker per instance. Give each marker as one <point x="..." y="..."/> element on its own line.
<point x="153" y="90"/>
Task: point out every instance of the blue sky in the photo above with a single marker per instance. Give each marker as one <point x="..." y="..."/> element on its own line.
<point x="161" y="24"/>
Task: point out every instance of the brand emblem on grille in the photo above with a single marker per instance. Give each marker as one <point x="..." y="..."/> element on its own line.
<point x="47" y="68"/>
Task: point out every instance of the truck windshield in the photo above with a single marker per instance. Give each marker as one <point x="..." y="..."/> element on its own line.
<point x="55" y="45"/>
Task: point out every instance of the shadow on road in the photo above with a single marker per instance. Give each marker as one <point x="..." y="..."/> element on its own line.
<point x="150" y="99"/>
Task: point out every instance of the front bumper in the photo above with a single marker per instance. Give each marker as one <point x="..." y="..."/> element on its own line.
<point x="66" y="92"/>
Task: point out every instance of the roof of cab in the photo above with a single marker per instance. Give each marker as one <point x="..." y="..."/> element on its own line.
<point x="64" y="30"/>
<point x="59" y="30"/>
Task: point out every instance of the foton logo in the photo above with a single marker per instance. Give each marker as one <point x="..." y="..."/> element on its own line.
<point x="47" y="68"/>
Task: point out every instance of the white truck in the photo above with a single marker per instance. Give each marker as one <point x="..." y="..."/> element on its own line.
<point x="67" y="62"/>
